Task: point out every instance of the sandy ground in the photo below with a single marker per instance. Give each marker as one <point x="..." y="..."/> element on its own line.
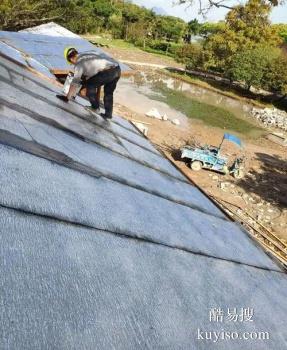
<point x="142" y="56"/>
<point x="262" y="193"/>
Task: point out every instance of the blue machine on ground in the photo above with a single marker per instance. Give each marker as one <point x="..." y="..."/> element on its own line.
<point x="209" y="157"/>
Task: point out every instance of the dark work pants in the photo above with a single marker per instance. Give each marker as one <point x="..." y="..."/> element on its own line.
<point x="108" y="79"/>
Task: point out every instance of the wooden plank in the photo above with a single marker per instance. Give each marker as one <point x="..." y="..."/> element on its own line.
<point x="57" y="71"/>
<point x="64" y="72"/>
<point x="280" y="140"/>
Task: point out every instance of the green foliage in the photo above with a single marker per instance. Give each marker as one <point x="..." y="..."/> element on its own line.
<point x="194" y="27"/>
<point x="164" y="46"/>
<point x="123" y="19"/>
<point x="103" y="9"/>
<point x="191" y="55"/>
<point x="246" y="47"/>
<point x="207" y="28"/>
<point x="275" y="77"/>
<point x="115" y="23"/>
<point x="80" y="17"/>
<point x="246" y="27"/>
<point x="140" y="27"/>
<point x="16" y="15"/>
<point x="169" y="28"/>
<point x="281" y="29"/>
<point x="261" y="67"/>
<point x="210" y="4"/>
<point x="131" y="14"/>
<point x="157" y="52"/>
<point x="251" y="65"/>
<point x="160" y="45"/>
<point x="203" y="29"/>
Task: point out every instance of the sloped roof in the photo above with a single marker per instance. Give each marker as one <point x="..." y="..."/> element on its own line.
<point x="52" y="29"/>
<point x="24" y="59"/>
<point x="105" y="245"/>
<point x="47" y="50"/>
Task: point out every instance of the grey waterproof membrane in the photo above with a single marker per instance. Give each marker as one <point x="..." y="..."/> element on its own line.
<point x="105" y="245"/>
<point x="46" y="50"/>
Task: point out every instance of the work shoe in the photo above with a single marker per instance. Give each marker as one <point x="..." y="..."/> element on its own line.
<point x="62" y="98"/>
<point x="105" y="116"/>
<point x="93" y="110"/>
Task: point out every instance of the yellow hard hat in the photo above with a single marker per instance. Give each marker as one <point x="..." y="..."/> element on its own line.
<point x="67" y="52"/>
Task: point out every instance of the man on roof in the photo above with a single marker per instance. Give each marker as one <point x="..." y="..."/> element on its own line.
<point x="92" y="71"/>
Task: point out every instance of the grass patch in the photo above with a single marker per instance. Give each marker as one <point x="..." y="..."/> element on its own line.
<point x="122" y="44"/>
<point x="158" y="52"/>
<point x="116" y="43"/>
<point x="210" y="115"/>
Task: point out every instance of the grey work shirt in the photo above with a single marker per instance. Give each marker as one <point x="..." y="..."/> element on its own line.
<point x="90" y="63"/>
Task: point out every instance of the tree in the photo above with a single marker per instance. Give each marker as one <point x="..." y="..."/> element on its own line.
<point x="115" y="24"/>
<point x="208" y="28"/>
<point x="281" y="29"/>
<point x="81" y="17"/>
<point x="251" y="65"/>
<point x="207" y="5"/>
<point x="140" y="32"/>
<point x="202" y="29"/>
<point x="16" y="15"/>
<point x="190" y="55"/>
<point x="131" y="14"/>
<point x="169" y="28"/>
<point x="262" y="67"/>
<point x="103" y="9"/>
<point x="194" y="27"/>
<point x="246" y="27"/>
<point x="275" y="77"/>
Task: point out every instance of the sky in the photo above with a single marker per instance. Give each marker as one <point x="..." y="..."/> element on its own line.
<point x="279" y="14"/>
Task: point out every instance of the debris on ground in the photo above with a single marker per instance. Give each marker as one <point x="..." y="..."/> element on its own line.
<point x="141" y="127"/>
<point x="271" y="117"/>
<point x="175" y="122"/>
<point x="280" y="139"/>
<point x="154" y="113"/>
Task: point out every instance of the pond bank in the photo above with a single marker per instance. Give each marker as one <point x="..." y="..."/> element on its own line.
<point x="186" y="102"/>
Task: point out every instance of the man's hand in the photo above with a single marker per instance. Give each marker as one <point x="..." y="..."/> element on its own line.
<point x="62" y="98"/>
<point x="72" y="91"/>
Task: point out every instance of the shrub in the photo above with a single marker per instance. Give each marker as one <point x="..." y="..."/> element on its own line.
<point x="190" y="55"/>
<point x="251" y="65"/>
<point x="275" y="77"/>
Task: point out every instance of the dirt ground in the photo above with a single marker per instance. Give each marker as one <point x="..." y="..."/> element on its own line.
<point x="142" y="56"/>
<point x="261" y="194"/>
<point x="262" y="191"/>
